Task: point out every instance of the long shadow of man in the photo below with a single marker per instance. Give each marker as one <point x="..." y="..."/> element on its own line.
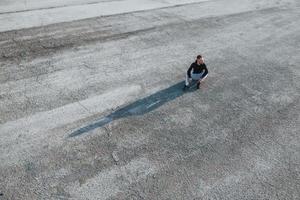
<point x="138" y="107"/>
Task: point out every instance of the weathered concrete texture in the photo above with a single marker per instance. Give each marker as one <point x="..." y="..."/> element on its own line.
<point x="41" y="13"/>
<point x="93" y="109"/>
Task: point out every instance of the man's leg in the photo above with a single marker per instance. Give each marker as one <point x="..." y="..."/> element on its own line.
<point x="198" y="83"/>
<point x="201" y="80"/>
<point x="187" y="80"/>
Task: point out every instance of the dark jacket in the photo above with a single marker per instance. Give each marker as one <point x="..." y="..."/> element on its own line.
<point x="197" y="69"/>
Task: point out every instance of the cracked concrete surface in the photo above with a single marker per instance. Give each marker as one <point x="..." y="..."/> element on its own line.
<point x="235" y="138"/>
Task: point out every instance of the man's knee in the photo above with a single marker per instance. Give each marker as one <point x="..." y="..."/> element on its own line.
<point x="203" y="78"/>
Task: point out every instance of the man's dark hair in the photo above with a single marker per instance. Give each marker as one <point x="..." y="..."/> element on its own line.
<point x="199" y="56"/>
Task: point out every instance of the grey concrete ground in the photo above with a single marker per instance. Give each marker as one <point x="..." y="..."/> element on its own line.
<point x="93" y="108"/>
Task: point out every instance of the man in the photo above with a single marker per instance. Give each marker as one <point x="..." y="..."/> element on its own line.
<point x="197" y="72"/>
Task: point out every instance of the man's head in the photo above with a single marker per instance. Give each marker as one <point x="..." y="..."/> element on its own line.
<point x="200" y="59"/>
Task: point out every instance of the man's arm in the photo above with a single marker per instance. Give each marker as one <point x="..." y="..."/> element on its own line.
<point x="205" y="71"/>
<point x="189" y="71"/>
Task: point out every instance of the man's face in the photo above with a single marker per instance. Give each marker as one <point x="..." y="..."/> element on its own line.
<point x="200" y="60"/>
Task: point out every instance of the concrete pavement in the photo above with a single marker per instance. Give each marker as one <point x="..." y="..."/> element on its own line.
<point x="235" y="138"/>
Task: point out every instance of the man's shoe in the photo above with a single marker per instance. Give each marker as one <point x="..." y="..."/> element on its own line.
<point x="185" y="87"/>
<point x="198" y="85"/>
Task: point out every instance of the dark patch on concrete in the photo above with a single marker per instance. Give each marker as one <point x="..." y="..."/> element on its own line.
<point x="103" y="29"/>
<point x="139" y="107"/>
<point x="47" y="45"/>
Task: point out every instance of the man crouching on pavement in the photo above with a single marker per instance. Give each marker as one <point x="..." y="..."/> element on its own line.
<point x="197" y="72"/>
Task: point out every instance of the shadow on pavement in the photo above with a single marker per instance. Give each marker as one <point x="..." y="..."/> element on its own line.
<point x="138" y="107"/>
